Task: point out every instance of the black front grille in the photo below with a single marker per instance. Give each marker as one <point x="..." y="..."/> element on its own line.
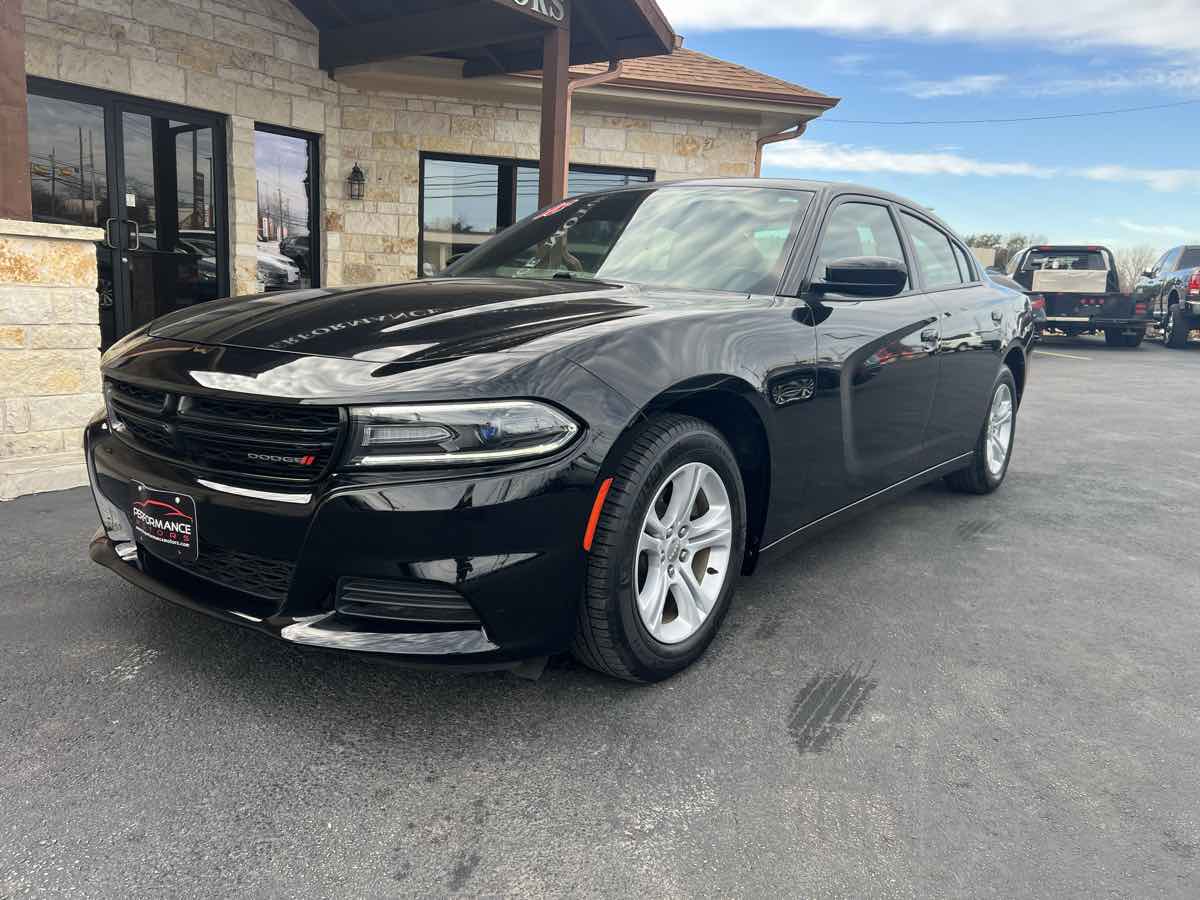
<point x="258" y="576"/>
<point x="279" y="442"/>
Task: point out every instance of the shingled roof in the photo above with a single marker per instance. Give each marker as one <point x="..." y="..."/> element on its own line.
<point x="691" y="72"/>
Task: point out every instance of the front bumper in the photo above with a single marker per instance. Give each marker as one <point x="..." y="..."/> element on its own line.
<point x="508" y="542"/>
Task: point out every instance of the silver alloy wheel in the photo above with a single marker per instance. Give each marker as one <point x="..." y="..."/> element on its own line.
<point x="999" y="430"/>
<point x="683" y="551"/>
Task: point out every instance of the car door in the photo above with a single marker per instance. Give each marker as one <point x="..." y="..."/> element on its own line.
<point x="969" y="340"/>
<point x="877" y="370"/>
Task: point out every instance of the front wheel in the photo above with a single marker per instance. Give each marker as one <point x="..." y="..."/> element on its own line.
<point x="667" y="551"/>
<point x="993" y="450"/>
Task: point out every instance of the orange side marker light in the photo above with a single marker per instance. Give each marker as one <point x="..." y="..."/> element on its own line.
<point x="594" y="518"/>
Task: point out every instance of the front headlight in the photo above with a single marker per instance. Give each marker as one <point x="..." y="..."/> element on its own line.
<point x="456" y="433"/>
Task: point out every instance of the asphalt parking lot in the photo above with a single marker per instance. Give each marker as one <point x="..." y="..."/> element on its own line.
<point x="957" y="697"/>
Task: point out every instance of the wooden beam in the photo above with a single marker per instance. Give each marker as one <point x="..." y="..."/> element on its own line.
<point x="15" y="201"/>
<point x="465" y="26"/>
<point x="556" y="124"/>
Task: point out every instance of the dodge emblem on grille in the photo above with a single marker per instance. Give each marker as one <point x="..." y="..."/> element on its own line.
<point x="289" y="460"/>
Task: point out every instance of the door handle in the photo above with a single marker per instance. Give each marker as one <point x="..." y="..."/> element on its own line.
<point x="108" y="233"/>
<point x="997" y="316"/>
<point x="136" y="234"/>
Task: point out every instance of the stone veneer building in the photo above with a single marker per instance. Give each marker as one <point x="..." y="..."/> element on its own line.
<point x="231" y="130"/>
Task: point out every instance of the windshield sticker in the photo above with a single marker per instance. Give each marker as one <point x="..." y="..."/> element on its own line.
<point x="552" y="210"/>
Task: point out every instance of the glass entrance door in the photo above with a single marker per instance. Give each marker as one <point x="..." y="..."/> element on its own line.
<point x="171" y="251"/>
<point x="152" y="177"/>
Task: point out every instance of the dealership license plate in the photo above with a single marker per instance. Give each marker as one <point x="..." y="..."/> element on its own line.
<point x="164" y="522"/>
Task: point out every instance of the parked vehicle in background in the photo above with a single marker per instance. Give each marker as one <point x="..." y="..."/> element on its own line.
<point x="297" y="249"/>
<point x="1082" y="290"/>
<point x="1171" y="290"/>
<point x="578" y="437"/>
<point x="276" y="271"/>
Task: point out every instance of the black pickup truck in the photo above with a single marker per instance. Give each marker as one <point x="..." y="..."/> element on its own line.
<point x="1082" y="291"/>
<point x="1171" y="290"/>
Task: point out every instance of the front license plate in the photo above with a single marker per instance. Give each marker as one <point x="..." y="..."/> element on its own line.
<point x="164" y="522"/>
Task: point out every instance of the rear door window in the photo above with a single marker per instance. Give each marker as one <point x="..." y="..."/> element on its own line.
<point x="935" y="253"/>
<point x="966" y="264"/>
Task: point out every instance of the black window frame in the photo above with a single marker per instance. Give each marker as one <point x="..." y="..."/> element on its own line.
<point x="506" y="192"/>
<point x="316" y="217"/>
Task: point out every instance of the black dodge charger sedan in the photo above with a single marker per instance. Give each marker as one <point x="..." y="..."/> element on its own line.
<point x="577" y="438"/>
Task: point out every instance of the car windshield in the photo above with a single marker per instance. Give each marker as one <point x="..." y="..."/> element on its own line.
<point x="698" y="238"/>
<point x="1052" y="260"/>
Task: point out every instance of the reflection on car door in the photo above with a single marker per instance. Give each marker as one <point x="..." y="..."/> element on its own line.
<point x="877" y="367"/>
<point x="970" y="338"/>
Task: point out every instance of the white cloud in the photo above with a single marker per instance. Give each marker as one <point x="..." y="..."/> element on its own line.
<point x="816" y="156"/>
<point x="959" y="86"/>
<point x="1154" y="24"/>
<point x="851" y="63"/>
<point x="1164" y="230"/>
<point x="1158" y="179"/>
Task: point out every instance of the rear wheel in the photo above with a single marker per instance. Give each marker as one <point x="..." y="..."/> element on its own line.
<point x="1176" y="328"/>
<point x="667" y="552"/>
<point x="993" y="450"/>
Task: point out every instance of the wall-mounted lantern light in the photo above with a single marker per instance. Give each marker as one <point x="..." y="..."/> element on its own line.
<point x="357" y="183"/>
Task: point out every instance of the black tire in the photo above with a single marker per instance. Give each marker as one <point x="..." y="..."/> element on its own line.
<point x="1115" y="337"/>
<point x="975" y="478"/>
<point x="611" y="636"/>
<point x="1176" y="328"/>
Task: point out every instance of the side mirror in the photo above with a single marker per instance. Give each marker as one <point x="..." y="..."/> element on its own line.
<point x="864" y="276"/>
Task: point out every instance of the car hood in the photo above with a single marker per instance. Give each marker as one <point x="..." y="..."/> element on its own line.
<point x="426" y="320"/>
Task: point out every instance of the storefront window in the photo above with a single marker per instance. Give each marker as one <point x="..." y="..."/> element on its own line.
<point x="460" y="210"/>
<point x="288" y="255"/>
<point x="465" y="201"/>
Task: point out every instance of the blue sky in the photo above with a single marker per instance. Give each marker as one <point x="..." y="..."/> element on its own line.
<point x="1122" y="180"/>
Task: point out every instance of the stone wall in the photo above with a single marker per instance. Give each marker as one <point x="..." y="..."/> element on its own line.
<point x="49" y="364"/>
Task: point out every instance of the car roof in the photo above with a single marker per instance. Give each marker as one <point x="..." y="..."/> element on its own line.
<point x="824" y="188"/>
